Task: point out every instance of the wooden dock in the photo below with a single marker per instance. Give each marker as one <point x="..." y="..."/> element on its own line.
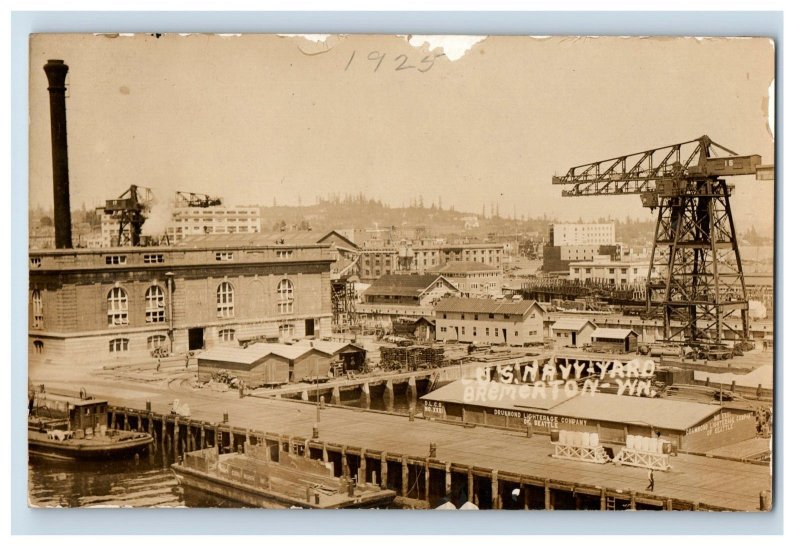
<point x="484" y="464"/>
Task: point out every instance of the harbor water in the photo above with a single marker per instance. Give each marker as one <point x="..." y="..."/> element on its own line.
<point x="146" y="482"/>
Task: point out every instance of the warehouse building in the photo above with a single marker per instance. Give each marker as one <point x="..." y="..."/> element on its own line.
<point x="90" y="305"/>
<point x="480" y="320"/>
<point x="691" y="426"/>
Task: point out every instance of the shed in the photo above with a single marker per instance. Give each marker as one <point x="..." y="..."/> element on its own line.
<point x="620" y="340"/>
<point x="346" y="355"/>
<point x="424" y="329"/>
<point x="574" y="332"/>
<point x="266" y="363"/>
<point x="248" y="364"/>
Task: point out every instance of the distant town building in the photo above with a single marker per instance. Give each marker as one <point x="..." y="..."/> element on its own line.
<point x="485" y="253"/>
<point x="578" y="242"/>
<point x="614" y="273"/>
<point x="376" y="262"/>
<point x="488" y="321"/>
<point x="473" y="279"/>
<point x="582" y="234"/>
<point x="187" y="221"/>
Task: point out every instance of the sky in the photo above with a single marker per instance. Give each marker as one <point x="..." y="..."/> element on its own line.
<point x="258" y="119"/>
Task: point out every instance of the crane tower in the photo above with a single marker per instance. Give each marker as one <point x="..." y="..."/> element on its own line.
<point x="695" y="272"/>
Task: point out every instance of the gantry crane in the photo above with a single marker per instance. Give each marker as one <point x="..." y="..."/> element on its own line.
<point x="129" y="210"/>
<point x="695" y="268"/>
<point x="189" y="199"/>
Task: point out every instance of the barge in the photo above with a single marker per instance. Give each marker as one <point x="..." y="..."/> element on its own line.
<point x="260" y="477"/>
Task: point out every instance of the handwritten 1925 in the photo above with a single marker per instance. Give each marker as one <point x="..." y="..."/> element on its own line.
<point x="400" y="62"/>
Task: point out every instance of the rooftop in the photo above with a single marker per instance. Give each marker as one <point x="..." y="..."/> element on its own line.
<point x="330" y="347"/>
<point x="467" y="267"/>
<point x="483" y="305"/>
<point x="633" y="410"/>
<point x="613" y="333"/>
<point x="264" y="238"/>
<point x="572" y="324"/>
<point x="255" y="352"/>
<point x="637" y="410"/>
<point x="400" y="285"/>
<point x="508" y="396"/>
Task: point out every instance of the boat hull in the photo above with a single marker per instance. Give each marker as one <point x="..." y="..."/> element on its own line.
<point x="259" y="498"/>
<point x="74" y="450"/>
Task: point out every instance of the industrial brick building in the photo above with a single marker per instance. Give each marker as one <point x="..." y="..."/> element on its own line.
<point x="122" y="303"/>
<point x="487" y="321"/>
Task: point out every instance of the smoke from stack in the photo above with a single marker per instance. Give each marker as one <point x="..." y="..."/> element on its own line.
<point x="56" y="72"/>
<point x="158" y="218"/>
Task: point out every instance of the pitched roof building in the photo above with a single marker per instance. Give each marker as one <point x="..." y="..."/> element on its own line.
<point x="480" y="320"/>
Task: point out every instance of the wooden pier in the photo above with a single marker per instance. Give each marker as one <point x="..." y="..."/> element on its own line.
<point x="424" y="460"/>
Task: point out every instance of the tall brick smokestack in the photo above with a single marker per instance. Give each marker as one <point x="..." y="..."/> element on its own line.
<point x="56" y="72"/>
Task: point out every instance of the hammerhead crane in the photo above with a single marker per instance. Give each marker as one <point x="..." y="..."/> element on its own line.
<point x="695" y="268"/>
<point x="130" y="210"/>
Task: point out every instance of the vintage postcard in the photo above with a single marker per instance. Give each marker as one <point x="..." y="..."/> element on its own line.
<point x="401" y="272"/>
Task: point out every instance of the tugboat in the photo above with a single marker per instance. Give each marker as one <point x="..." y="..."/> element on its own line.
<point x="74" y="428"/>
<point x="254" y="478"/>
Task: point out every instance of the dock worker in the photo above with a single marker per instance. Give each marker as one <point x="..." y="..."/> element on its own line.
<point x="158" y="366"/>
<point x="187" y="361"/>
<point x="652" y="478"/>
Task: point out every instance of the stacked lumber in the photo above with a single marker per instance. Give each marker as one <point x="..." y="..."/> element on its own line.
<point x="412" y="358"/>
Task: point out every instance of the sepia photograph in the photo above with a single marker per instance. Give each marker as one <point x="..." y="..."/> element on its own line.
<point x="401" y="272"/>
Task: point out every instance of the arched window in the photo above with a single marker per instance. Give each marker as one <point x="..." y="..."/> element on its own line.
<point x="38" y="347"/>
<point x="285" y="297"/>
<point x="228" y="334"/>
<point x="117" y="307"/>
<point x="156" y="342"/>
<point x="118" y="345"/>
<point x="225" y="300"/>
<point x="38" y="310"/>
<point x="154" y="304"/>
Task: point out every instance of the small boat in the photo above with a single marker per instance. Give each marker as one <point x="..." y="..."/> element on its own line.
<point x="75" y="427"/>
<point x="254" y="478"/>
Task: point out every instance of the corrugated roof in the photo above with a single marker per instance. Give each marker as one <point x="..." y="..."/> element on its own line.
<point x="466" y="267"/>
<point x="636" y="410"/>
<point x="508" y="396"/>
<point x="612" y="333"/>
<point x="572" y="324"/>
<point x="484" y="305"/>
<point x="400" y="285"/>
